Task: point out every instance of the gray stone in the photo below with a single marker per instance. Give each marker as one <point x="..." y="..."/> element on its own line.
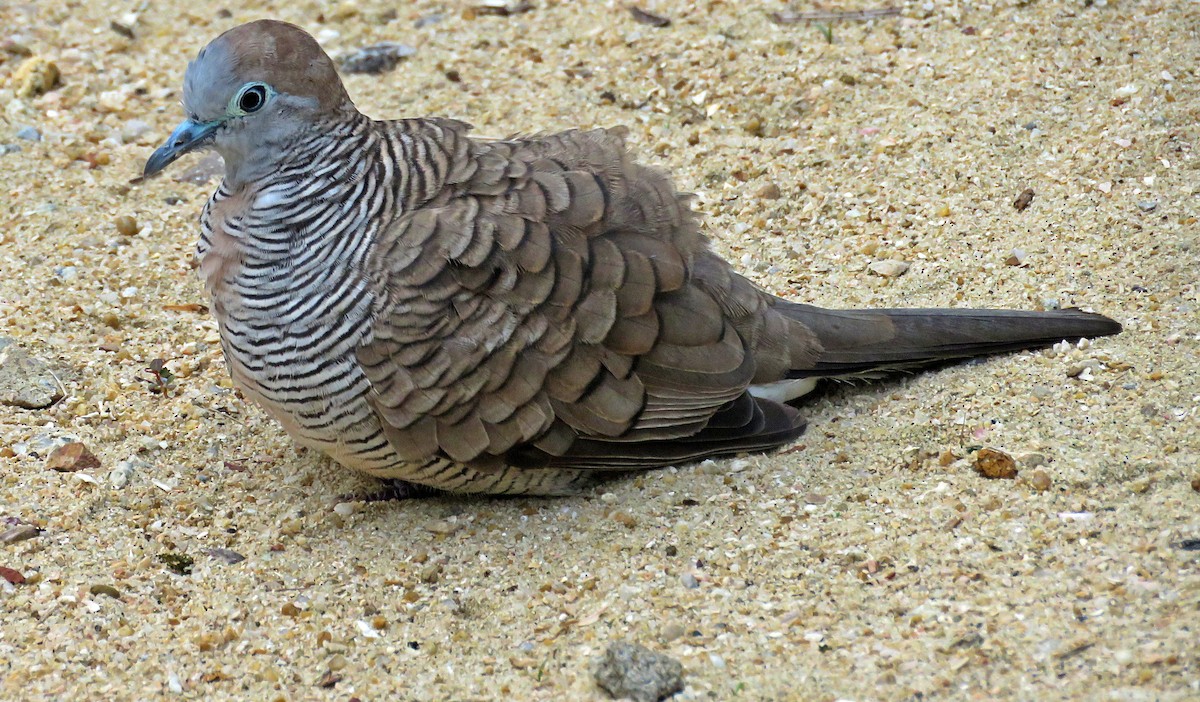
<point x="26" y="381"/>
<point x="29" y="134"/>
<point x="133" y="130"/>
<point x="379" y="58"/>
<point x="207" y="168"/>
<point x="627" y="670"/>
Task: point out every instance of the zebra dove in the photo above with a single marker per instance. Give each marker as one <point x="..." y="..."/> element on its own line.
<point x="516" y="316"/>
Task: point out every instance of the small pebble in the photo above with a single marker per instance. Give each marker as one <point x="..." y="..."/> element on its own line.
<point x="121" y="474"/>
<point x="365" y="629"/>
<point x="1033" y="460"/>
<point x="442" y="527"/>
<point x="625" y="519"/>
<point x="122" y="29"/>
<point x="35" y="76"/>
<point x="627" y="670"/>
<point x="107" y="590"/>
<point x="13" y="576"/>
<point x="26" y="381"/>
<point x="29" y="134"/>
<point x="72" y="457"/>
<point x="328" y="680"/>
<point x="427" y="20"/>
<point x="226" y="555"/>
<point x="1196" y="483"/>
<point x="889" y="268"/>
<point x="174" y="684"/>
<point x="649" y="18"/>
<point x="689" y="581"/>
<point x="993" y="463"/>
<point x="126" y="225"/>
<point x="770" y="191"/>
<point x="378" y="58"/>
<point x="1015" y="258"/>
<point x="671" y="631"/>
<point x="207" y="168"/>
<point x="1144" y="206"/>
<point x="133" y="130"/>
<point x="1038" y="480"/>
<point x="21" y="532"/>
<point x="1023" y="200"/>
<point x="429" y="574"/>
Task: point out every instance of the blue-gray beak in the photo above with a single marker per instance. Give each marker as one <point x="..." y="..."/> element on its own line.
<point x="187" y="136"/>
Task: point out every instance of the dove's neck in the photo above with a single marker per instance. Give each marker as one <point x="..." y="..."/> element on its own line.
<point x="302" y="226"/>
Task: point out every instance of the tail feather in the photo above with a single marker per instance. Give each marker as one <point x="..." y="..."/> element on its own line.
<point x="869" y="341"/>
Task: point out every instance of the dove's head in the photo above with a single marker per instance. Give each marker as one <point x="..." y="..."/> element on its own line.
<point x="249" y="93"/>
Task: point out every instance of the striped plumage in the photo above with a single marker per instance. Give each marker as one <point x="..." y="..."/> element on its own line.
<point x="512" y="316"/>
<point x="284" y="260"/>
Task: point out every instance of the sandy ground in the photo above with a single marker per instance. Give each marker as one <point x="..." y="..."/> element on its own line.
<point x="870" y="562"/>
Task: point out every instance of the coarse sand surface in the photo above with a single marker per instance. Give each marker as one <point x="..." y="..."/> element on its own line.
<point x="868" y="562"/>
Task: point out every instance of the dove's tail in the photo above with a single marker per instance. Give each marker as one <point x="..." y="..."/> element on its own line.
<point x="870" y="342"/>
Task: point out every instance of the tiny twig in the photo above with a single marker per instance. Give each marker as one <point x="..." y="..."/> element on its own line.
<point x="789" y="17"/>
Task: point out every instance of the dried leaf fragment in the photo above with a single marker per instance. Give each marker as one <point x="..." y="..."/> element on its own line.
<point x="994" y="463"/>
<point x="1023" y="200"/>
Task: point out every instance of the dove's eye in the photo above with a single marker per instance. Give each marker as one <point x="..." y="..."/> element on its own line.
<point x="252" y="98"/>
